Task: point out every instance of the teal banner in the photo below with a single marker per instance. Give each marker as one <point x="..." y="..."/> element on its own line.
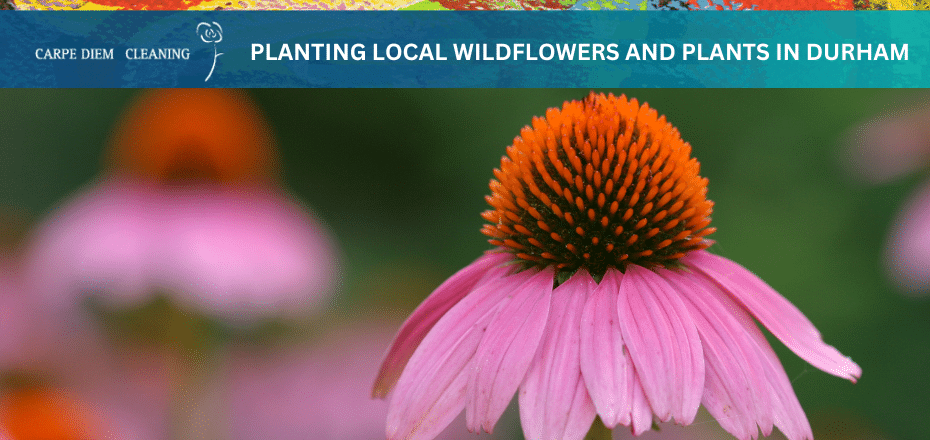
<point x="465" y="49"/>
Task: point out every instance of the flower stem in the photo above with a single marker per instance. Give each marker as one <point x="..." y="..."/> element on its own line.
<point x="598" y="431"/>
<point x="194" y="362"/>
<point x="215" y="55"/>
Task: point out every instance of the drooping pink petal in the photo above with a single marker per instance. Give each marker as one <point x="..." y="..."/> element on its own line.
<point x="663" y="343"/>
<point x="725" y="401"/>
<point x="775" y="312"/>
<point x="642" y="413"/>
<point x="786" y="410"/>
<point x="788" y="414"/>
<point x="422" y="320"/>
<point x="554" y="401"/>
<point x="605" y="364"/>
<point x="431" y="390"/>
<point x="782" y="406"/>
<point x="504" y="355"/>
<point x="908" y="252"/>
<point x="581" y="413"/>
<point x="735" y="389"/>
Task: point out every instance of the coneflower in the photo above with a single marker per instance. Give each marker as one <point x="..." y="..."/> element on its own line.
<point x="599" y="298"/>
<point x="191" y="206"/>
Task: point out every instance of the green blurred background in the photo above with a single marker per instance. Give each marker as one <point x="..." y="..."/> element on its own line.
<point x="400" y="176"/>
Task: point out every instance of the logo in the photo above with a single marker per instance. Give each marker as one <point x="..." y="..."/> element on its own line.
<point x="211" y="33"/>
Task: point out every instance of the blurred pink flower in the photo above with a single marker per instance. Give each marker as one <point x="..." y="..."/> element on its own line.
<point x="12" y="317"/>
<point x="599" y="299"/>
<point x="320" y="390"/>
<point x="189" y="208"/>
<point x="34" y="336"/>
<point x="890" y="146"/>
<point x="51" y="411"/>
<point x="908" y="250"/>
<point x="71" y="375"/>
<point x="239" y="252"/>
<point x="128" y="391"/>
<point x="887" y="148"/>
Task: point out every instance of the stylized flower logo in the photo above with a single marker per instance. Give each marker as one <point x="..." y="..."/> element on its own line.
<point x="210" y="33"/>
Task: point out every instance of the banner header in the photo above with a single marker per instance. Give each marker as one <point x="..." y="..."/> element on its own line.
<point x="465" y="49"/>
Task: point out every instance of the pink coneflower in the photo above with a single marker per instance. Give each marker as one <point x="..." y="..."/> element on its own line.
<point x="599" y="298"/>
<point x="189" y="207"/>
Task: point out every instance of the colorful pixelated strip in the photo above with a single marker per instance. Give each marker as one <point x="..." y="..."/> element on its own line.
<point x="801" y="5"/>
<point x="273" y="5"/>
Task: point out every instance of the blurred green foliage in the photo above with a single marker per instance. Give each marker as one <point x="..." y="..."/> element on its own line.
<point x="400" y="176"/>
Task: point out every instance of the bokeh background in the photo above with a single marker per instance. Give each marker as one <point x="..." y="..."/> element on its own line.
<point x="399" y="177"/>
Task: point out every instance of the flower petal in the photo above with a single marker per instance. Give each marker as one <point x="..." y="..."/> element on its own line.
<point x="908" y="249"/>
<point x="415" y="328"/>
<point x="663" y="343"/>
<point x="431" y="390"/>
<point x="241" y="253"/>
<point x="775" y="312"/>
<point x="642" y="412"/>
<point x="788" y="414"/>
<point x="781" y="404"/>
<point x="554" y="402"/>
<point x="506" y="351"/>
<point x="605" y="365"/>
<point x="736" y="392"/>
<point x="97" y="241"/>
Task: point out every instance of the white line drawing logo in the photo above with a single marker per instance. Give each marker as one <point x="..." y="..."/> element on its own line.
<point x="211" y="33"/>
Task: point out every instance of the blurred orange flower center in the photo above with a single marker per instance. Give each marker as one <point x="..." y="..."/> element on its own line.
<point x="205" y="134"/>
<point x="46" y="414"/>
<point x="597" y="184"/>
